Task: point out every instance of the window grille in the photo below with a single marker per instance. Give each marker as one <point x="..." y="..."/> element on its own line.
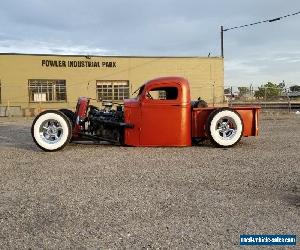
<point x="112" y="90"/>
<point x="42" y="90"/>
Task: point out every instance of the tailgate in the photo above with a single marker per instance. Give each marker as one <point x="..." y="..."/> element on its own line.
<point x="250" y="119"/>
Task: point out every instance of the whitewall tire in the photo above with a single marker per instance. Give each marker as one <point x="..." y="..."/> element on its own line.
<point x="224" y="127"/>
<point x="51" y="130"/>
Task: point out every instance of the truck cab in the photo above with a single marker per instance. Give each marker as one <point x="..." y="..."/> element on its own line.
<point x="161" y="114"/>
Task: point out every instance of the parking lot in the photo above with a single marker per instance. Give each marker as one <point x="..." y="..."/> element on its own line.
<point x="102" y="196"/>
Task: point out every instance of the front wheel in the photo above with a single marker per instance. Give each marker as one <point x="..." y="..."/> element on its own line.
<point x="224" y="127"/>
<point x="51" y="130"/>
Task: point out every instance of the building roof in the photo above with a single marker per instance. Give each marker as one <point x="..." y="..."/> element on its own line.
<point x="113" y="56"/>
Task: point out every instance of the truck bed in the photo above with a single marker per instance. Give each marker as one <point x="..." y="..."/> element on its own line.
<point x="248" y="114"/>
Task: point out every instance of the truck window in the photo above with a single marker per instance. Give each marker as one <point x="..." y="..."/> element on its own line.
<point x="163" y="93"/>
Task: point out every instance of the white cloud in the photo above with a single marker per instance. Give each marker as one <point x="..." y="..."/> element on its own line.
<point x="38" y="47"/>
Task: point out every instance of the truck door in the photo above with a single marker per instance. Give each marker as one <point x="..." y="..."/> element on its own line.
<point x="165" y="120"/>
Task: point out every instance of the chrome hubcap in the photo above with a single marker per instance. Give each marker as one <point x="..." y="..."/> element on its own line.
<point x="51" y="131"/>
<point x="226" y="128"/>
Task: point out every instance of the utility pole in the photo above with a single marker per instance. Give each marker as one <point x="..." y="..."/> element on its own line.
<point x="222" y="42"/>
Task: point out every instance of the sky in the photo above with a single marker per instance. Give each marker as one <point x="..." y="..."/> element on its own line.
<point x="253" y="55"/>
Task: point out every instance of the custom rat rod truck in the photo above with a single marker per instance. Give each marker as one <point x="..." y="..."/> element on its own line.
<point x="161" y="114"/>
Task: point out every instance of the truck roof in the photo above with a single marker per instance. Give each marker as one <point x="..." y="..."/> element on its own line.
<point x="184" y="93"/>
<point x="177" y="79"/>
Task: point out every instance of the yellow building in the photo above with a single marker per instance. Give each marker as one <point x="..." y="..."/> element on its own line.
<point x="29" y="82"/>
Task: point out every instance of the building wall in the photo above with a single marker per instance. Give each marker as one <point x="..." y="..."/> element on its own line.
<point x="205" y="75"/>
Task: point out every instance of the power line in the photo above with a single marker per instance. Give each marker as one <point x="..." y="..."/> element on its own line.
<point x="264" y="21"/>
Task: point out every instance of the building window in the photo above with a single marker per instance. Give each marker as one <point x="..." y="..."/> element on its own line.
<point x="112" y="90"/>
<point x="47" y="90"/>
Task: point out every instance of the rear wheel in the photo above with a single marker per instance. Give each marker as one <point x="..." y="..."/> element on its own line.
<point x="51" y="130"/>
<point x="225" y="127"/>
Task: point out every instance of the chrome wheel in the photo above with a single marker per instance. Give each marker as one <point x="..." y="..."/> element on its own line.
<point x="226" y="128"/>
<point x="51" y="131"/>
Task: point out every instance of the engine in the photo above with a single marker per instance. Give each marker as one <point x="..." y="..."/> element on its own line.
<point x="105" y="124"/>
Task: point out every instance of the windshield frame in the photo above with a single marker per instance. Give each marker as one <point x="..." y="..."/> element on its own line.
<point x="139" y="90"/>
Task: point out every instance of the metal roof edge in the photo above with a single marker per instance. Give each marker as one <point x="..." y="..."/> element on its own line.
<point x="113" y="56"/>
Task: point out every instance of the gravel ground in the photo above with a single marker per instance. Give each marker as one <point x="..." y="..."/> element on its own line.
<point x="102" y="196"/>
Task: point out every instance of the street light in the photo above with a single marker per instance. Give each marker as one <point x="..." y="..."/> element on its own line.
<point x="251" y="24"/>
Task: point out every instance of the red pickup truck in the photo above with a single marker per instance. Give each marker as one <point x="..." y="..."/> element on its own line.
<point x="162" y="114"/>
